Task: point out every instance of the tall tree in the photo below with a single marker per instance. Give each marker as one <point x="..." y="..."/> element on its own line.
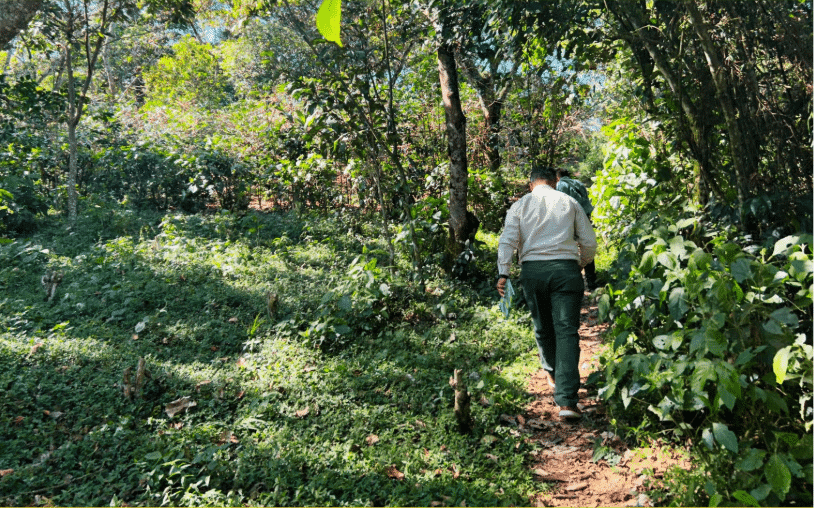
<point x="732" y="80"/>
<point x="83" y="25"/>
<point x="462" y="224"/>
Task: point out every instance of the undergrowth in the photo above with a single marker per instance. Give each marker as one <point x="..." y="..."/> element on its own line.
<point x="284" y="364"/>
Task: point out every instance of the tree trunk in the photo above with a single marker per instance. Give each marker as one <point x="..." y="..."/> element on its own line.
<point x="463" y="413"/>
<point x="15" y="16"/>
<point x="73" y="120"/>
<point x="456" y="148"/>
<point x="737" y="148"/>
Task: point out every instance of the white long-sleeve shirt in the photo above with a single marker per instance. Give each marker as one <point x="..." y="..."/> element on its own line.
<point x="545" y="225"/>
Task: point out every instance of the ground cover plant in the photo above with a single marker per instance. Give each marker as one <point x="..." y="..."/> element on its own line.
<point x="239" y="262"/>
<point x="335" y="392"/>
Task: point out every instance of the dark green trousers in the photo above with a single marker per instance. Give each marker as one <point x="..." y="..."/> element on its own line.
<point x="553" y="291"/>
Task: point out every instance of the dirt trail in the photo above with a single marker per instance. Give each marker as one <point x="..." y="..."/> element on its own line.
<point x="564" y="460"/>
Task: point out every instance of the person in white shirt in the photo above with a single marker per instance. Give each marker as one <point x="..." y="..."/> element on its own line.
<point x="554" y="240"/>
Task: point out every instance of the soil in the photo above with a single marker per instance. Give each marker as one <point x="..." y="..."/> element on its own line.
<point x="564" y="460"/>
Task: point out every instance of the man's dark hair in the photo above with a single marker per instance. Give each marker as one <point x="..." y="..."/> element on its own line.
<point x="543" y="173"/>
<point x="563" y="173"/>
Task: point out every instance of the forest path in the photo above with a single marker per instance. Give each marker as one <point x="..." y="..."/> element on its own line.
<point x="566" y="449"/>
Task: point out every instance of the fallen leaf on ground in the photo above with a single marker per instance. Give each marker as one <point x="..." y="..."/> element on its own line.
<point x="179" y="406"/>
<point x="228" y="437"/>
<point x="394" y="473"/>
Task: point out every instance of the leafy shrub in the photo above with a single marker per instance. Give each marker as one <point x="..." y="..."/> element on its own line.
<point x="355" y="304"/>
<point x="710" y="338"/>
<point x="712" y="344"/>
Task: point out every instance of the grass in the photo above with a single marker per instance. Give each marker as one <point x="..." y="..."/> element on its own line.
<point x="341" y="397"/>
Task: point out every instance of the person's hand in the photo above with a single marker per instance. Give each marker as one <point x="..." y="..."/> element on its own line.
<point x="501" y="286"/>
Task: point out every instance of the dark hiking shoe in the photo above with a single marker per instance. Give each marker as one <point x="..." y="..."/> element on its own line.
<point x="570" y="413"/>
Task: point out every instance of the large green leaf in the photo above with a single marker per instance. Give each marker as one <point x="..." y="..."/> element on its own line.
<point x="751" y="461"/>
<point x="778" y="476"/>
<point x="741" y="269"/>
<point x="329" y="20"/>
<point x="745" y="498"/>
<point x="780" y="365"/>
<point x="677" y="303"/>
<point x="725" y="436"/>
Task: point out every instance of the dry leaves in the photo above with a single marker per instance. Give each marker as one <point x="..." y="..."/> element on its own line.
<point x="179" y="406"/>
<point x="394" y="473"/>
<point x="228" y="437"/>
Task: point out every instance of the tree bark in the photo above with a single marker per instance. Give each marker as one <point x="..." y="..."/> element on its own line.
<point x="737" y="147"/>
<point x="456" y="148"/>
<point x="15" y="16"/>
<point x="463" y="413"/>
<point x="491" y="100"/>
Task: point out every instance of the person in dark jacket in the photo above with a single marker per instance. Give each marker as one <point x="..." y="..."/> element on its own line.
<point x="577" y="190"/>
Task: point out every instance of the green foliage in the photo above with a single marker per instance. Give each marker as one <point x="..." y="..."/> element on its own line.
<point x="276" y="421"/>
<point x="703" y="341"/>
<point x="25" y="154"/>
<point x="710" y="338"/>
<point x="191" y="75"/>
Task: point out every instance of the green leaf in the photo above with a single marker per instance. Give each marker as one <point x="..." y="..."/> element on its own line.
<point x="648" y="262"/>
<point x="773" y="327"/>
<point x="620" y="340"/>
<point x="785" y="316"/>
<point x="745" y="498"/>
<point x="784" y="244"/>
<point x="345" y="303"/>
<point x="677" y="340"/>
<point x="661" y="341"/>
<point x="329" y="20"/>
<point x="741" y="269"/>
<point x="804" y="450"/>
<point x="725" y="436"/>
<point x="603" y="307"/>
<point x="677" y="303"/>
<point x="778" y="476"/>
<point x="761" y="492"/>
<point x="780" y="365"/>
<point x="776" y="403"/>
<point x="715" y="342"/>
<point x="684" y="223"/>
<point x="727" y="397"/>
<point x="706" y="437"/>
<point x="669" y="260"/>
<point x="153" y="456"/>
<point x="751" y="461"/>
